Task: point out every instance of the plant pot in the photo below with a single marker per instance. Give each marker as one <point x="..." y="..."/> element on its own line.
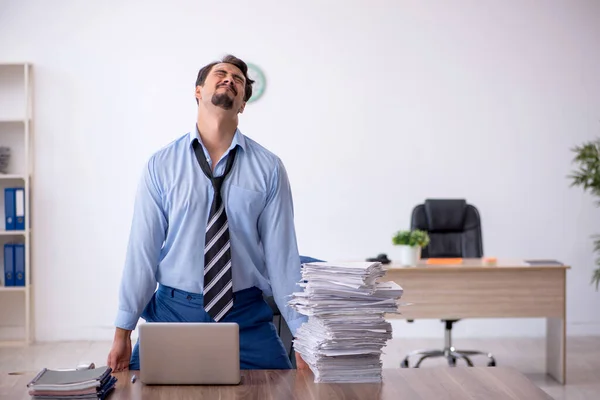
<point x="407" y="255"/>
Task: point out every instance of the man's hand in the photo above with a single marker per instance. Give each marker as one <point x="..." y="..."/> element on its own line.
<point x="300" y="363"/>
<point x="120" y="352"/>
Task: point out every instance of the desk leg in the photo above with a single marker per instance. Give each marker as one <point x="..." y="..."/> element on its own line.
<point x="556" y="349"/>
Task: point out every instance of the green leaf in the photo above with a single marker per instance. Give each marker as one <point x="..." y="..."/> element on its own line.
<point x="596" y="243"/>
<point x="586" y="175"/>
<point x="411" y="238"/>
<point x="596" y="278"/>
<point x="401" y="238"/>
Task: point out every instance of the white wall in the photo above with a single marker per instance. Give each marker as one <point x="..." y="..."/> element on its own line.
<point x="372" y="105"/>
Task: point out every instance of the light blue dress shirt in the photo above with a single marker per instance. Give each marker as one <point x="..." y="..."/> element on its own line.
<point x="169" y="221"/>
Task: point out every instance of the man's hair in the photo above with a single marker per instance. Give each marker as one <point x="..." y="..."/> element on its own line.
<point x="229" y="59"/>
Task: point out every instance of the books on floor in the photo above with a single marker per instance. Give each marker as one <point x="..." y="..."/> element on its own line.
<point x="95" y="383"/>
<point x="346" y="330"/>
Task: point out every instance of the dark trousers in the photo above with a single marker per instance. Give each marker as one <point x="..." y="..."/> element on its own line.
<point x="260" y="346"/>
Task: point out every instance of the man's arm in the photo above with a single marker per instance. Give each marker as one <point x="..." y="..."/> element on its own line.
<point x="278" y="235"/>
<point x="148" y="231"/>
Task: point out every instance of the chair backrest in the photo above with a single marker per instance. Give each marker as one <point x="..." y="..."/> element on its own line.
<point x="454" y="228"/>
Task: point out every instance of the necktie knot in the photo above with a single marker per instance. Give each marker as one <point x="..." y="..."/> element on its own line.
<point x="217" y="182"/>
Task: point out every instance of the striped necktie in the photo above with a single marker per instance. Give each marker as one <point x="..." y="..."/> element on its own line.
<point x="218" y="284"/>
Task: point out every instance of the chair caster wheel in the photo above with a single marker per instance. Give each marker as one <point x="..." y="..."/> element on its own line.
<point x="404" y="363"/>
<point x="492" y="363"/>
<point x="452" y="362"/>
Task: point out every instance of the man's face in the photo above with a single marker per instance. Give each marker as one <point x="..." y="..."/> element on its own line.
<point x="224" y="87"/>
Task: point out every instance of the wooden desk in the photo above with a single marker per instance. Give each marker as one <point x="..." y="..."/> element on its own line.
<point x="473" y="289"/>
<point x="424" y="383"/>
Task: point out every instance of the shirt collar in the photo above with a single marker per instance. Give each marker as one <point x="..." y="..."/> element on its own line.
<point x="238" y="138"/>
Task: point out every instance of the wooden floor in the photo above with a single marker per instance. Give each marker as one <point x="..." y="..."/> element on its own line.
<point x="525" y="355"/>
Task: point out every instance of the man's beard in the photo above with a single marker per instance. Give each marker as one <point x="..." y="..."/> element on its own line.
<point x="222" y="100"/>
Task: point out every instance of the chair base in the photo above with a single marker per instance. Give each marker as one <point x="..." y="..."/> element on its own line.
<point x="450" y="354"/>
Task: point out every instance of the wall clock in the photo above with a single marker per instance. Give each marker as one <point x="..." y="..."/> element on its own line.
<point x="258" y="87"/>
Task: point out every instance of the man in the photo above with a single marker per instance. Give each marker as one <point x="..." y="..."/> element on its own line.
<point x="213" y="226"/>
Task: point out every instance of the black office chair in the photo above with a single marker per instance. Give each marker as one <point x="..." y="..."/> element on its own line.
<point x="282" y="330"/>
<point x="280" y="325"/>
<point x="454" y="228"/>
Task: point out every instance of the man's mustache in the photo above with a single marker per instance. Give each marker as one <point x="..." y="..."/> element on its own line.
<point x="229" y="86"/>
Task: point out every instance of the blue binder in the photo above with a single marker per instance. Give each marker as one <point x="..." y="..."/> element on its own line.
<point x="19" y="264"/>
<point x="9" y="209"/>
<point x="9" y="265"/>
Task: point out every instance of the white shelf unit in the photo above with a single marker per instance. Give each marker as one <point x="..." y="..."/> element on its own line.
<point x="16" y="127"/>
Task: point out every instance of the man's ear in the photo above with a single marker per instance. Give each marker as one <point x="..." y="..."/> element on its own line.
<point x="241" y="110"/>
<point x="198" y="93"/>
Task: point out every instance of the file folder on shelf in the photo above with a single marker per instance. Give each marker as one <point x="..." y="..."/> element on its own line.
<point x="20" y="209"/>
<point x="14" y="208"/>
<point x="9" y="209"/>
<point x="9" y="265"/>
<point x="19" y="264"/>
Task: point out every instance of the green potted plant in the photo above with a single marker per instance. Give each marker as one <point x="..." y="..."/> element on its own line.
<point x="409" y="244"/>
<point x="587" y="176"/>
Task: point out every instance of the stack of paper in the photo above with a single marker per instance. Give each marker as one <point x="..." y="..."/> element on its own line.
<point x="346" y="329"/>
<point x="72" y="384"/>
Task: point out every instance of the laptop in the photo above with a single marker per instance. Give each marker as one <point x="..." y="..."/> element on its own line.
<point x="189" y="353"/>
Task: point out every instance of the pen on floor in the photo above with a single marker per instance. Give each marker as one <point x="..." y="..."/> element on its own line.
<point x="133" y="379"/>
